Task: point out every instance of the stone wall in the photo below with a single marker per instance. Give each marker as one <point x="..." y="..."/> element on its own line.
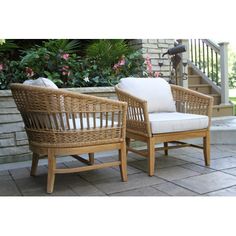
<point x="154" y="48"/>
<point x="13" y="138"/>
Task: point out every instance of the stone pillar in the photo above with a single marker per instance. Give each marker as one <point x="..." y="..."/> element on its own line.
<point x="224" y="73"/>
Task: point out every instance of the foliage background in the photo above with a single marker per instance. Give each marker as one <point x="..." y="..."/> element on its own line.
<point x="70" y="63"/>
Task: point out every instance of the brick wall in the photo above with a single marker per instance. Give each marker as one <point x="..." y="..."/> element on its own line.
<point x="155" y="48"/>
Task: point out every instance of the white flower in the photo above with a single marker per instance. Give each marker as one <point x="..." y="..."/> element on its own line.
<point x="86" y="79"/>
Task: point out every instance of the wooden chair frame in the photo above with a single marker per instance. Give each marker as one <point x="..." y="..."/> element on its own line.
<point x="139" y="128"/>
<point x="50" y="117"/>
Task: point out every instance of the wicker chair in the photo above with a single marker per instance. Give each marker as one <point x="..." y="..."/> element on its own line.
<point x="139" y="124"/>
<point x="59" y="122"/>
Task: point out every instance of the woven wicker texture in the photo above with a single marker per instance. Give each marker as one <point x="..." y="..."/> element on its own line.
<point x="58" y="118"/>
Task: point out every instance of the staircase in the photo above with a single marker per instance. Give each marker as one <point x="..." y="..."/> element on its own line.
<point x="208" y="74"/>
<point x="197" y="83"/>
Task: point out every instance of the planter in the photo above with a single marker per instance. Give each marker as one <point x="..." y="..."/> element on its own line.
<point x="13" y="138"/>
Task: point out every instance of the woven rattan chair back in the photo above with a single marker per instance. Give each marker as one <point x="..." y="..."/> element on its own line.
<point x="56" y="119"/>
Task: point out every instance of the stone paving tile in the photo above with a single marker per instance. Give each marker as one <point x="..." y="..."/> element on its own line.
<point x="8" y="188"/>
<point x="161" y="162"/>
<point x="114" y="158"/>
<point x="174" y="190"/>
<point x="185" y="151"/>
<point x="175" y="172"/>
<point x="223" y="163"/>
<point x="5" y="175"/>
<point x="4" y="172"/>
<point x="231" y="171"/>
<point x="29" y="184"/>
<point x="224" y="192"/>
<point x="231" y="148"/>
<point x="113" y="185"/>
<point x="41" y="170"/>
<point x="207" y="182"/>
<point x="99" y="174"/>
<point x="146" y="191"/>
<point x="20" y="173"/>
<point x="84" y="188"/>
<point x="130" y="170"/>
<point x="58" y="191"/>
<point x="197" y="168"/>
<point x="188" y="158"/>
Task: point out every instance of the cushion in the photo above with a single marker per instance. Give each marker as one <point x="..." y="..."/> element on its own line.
<point x="91" y="123"/>
<point x="166" y="122"/>
<point x="43" y="82"/>
<point x="156" y="91"/>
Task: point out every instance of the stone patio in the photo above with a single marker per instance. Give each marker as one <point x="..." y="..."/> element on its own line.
<point x="181" y="173"/>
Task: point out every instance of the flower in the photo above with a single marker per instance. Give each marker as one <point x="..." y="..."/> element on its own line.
<point x="29" y="72"/>
<point x="149" y="65"/>
<point x="157" y="73"/>
<point x="65" y="56"/>
<point x="120" y="63"/>
<point x="1" y="67"/>
<point x="86" y="79"/>
<point x="65" y="70"/>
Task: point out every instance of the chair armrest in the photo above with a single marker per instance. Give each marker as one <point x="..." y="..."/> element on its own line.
<point x="189" y="101"/>
<point x="137" y="113"/>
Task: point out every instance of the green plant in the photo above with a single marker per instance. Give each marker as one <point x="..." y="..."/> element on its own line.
<point x="62" y="45"/>
<point x="55" y="60"/>
<point x="10" y="71"/>
<point x="107" y="52"/>
<point x="105" y="64"/>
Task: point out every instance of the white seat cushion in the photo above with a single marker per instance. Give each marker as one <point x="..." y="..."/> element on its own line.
<point x="156" y="91"/>
<point x="166" y="122"/>
<point x="91" y="123"/>
<point x="42" y="82"/>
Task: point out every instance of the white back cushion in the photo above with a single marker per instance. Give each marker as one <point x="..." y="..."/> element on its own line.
<point x="42" y="82"/>
<point x="156" y="91"/>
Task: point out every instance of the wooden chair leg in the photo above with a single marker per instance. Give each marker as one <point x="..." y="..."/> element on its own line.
<point x="151" y="157"/>
<point x="166" y="146"/>
<point x="206" y="149"/>
<point x="51" y="171"/>
<point x="123" y="160"/>
<point x="91" y="158"/>
<point x="127" y="144"/>
<point x="34" y="165"/>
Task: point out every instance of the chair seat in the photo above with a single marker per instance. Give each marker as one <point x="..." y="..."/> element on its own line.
<point x="167" y="122"/>
<point x="91" y="123"/>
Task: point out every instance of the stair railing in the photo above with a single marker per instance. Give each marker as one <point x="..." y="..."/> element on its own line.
<point x="211" y="60"/>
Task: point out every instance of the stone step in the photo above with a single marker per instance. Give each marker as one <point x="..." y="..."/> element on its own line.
<point x="202" y="88"/>
<point x="194" y="79"/>
<point x="216" y="97"/>
<point x="223" y="110"/>
<point x="223" y="131"/>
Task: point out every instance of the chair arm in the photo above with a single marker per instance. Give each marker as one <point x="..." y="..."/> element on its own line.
<point x="189" y="101"/>
<point x="137" y="113"/>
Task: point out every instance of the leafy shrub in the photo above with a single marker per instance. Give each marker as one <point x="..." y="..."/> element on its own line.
<point x="105" y="62"/>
